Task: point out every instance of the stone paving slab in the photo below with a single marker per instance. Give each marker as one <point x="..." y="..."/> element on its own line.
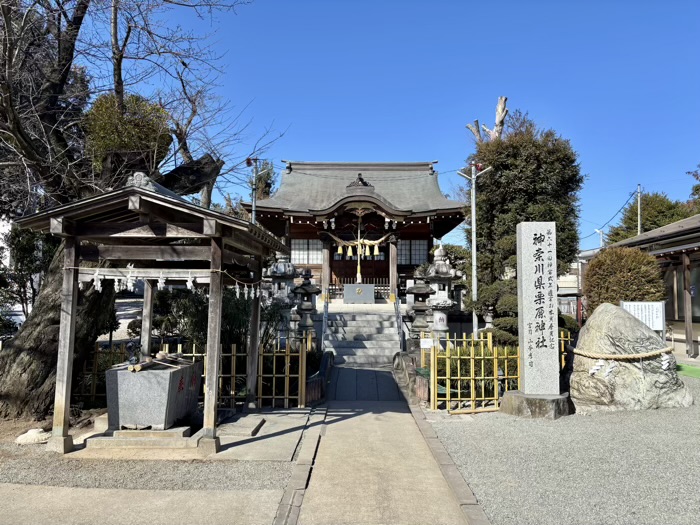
<point x="373" y="466"/>
<point x="41" y="505"/>
<point x="277" y="439"/>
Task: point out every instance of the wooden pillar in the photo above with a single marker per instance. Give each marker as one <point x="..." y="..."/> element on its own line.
<point x="60" y="440"/>
<point x="393" y="271"/>
<point x="326" y="271"/>
<point x="690" y="347"/>
<point x="253" y="354"/>
<point x="212" y="359"/>
<point x="147" y="318"/>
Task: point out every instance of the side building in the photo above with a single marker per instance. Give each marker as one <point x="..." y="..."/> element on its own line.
<point x="369" y="223"/>
<point x="676" y="247"/>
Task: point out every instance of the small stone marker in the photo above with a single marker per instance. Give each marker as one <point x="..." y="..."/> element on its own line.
<point x="537" y="325"/>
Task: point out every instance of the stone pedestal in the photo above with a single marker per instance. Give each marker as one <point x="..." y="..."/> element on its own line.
<point x="517" y="403"/>
<point x="60" y="444"/>
<point x="421" y="292"/>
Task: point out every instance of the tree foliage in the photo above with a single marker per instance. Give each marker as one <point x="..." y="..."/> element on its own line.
<point x="622" y="274"/>
<point x="657" y="210"/>
<point x="31" y="256"/>
<point x="535" y="177"/>
<point x="138" y="135"/>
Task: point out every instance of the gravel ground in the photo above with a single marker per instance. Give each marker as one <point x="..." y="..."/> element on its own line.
<point x="636" y="468"/>
<point x="32" y="465"/>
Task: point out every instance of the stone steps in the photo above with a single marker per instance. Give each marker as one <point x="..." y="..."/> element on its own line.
<point x="338" y="323"/>
<point x="351" y="330"/>
<point x="364" y="360"/>
<point x="173" y="438"/>
<point x="362" y="344"/>
<point x="141" y="442"/>
<point x="356" y="317"/>
<point x="362" y="338"/>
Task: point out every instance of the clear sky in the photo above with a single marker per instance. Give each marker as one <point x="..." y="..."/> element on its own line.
<point x="398" y="80"/>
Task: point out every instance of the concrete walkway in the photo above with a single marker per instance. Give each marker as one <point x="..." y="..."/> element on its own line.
<point x="372" y="465"/>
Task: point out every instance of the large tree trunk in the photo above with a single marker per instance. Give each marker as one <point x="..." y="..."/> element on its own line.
<point x="28" y="361"/>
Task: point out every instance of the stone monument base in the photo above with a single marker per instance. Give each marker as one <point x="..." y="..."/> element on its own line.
<point x="516" y="403"/>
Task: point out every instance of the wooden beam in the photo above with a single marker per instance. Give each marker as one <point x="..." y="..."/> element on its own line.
<point x="211" y="386"/>
<point x="326" y="271"/>
<point x="147" y="318"/>
<point x="253" y="354"/>
<point x="60" y="440"/>
<point x="393" y="271"/>
<point x="154" y="253"/>
<point x="690" y="347"/>
<point x="245" y="245"/>
<point x="61" y="226"/>
<point x="169" y="274"/>
<point x="139" y="229"/>
<point x="211" y="227"/>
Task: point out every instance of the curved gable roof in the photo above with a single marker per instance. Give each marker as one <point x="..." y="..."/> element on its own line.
<point x="407" y="187"/>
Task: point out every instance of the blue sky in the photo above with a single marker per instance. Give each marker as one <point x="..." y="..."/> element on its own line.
<point x="398" y="80"/>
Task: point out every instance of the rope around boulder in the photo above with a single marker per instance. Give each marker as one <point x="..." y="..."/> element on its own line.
<point x="623" y="357"/>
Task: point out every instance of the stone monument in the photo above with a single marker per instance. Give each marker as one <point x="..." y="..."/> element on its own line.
<point x="537" y="325"/>
<point x="627" y="366"/>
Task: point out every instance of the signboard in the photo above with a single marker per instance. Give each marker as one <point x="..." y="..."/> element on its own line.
<point x="426" y="344"/>
<point x="651" y="314"/>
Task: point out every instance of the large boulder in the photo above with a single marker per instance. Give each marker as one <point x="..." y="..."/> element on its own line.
<point x="635" y="384"/>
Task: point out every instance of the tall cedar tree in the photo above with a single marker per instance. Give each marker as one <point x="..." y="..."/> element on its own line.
<point x="657" y="210"/>
<point x="535" y="177"/>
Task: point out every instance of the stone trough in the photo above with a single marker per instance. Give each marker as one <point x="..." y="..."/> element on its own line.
<point x="155" y="397"/>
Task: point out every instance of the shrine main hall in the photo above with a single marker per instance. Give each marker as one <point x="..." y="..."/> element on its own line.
<point x="359" y="223"/>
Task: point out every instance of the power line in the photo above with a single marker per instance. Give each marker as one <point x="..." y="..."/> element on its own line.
<point x="611" y="218"/>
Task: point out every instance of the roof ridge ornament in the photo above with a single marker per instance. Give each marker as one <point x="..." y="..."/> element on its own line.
<point x="141" y="180"/>
<point x="359" y="181"/>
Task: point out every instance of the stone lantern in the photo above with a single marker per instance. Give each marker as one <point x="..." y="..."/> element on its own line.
<point x="282" y="273"/>
<point x="305" y="292"/>
<point x="421" y="292"/>
<point x="441" y="274"/>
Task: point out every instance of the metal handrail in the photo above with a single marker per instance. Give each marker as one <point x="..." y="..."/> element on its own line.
<point x="399" y="319"/>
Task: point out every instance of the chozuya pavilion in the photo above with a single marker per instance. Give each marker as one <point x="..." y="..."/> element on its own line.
<point x="359" y="223"/>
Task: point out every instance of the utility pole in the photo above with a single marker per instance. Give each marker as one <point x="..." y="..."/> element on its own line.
<point x="600" y="233"/>
<point x="639" y="209"/>
<point x="254" y="197"/>
<point x="472" y="178"/>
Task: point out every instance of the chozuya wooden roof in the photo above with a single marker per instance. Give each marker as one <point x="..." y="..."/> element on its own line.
<point x="318" y="188"/>
<point x="152" y="221"/>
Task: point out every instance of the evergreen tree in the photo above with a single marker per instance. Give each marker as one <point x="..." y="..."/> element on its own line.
<point x="657" y="210"/>
<point x="535" y="177"/>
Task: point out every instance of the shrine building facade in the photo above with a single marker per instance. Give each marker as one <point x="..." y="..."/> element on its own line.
<point x="359" y="223"/>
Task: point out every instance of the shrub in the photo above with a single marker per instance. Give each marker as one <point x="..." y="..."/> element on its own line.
<point x="566" y="322"/>
<point x="141" y="131"/>
<point x="622" y="274"/>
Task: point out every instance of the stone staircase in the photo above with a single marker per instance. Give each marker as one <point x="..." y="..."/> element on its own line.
<point x="367" y="339"/>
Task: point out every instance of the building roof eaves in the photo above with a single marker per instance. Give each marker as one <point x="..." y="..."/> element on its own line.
<point x="663" y="234"/>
